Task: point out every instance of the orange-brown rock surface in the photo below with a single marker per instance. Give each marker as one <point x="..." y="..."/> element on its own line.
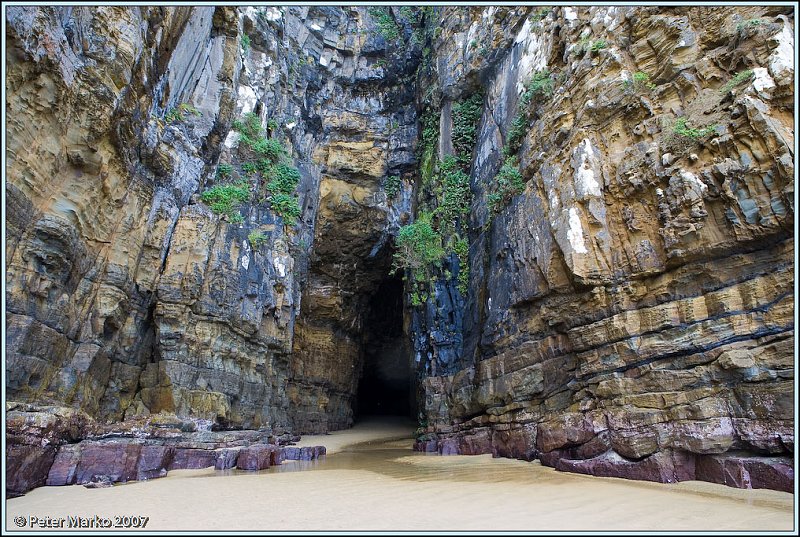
<point x="631" y="311"/>
<point x="627" y="310"/>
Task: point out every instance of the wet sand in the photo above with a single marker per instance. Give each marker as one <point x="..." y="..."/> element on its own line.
<point x="380" y="484"/>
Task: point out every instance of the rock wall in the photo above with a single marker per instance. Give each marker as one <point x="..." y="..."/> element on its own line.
<point x="127" y="295"/>
<point x="627" y="309"/>
<point x="363" y="104"/>
<point x="630" y="311"/>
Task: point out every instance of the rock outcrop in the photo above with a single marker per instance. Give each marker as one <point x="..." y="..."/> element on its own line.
<point x="630" y="311"/>
<point x="58" y="446"/>
<point x="606" y="196"/>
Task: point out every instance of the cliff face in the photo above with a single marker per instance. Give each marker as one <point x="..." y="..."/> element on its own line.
<point x="125" y="295"/>
<point x="611" y="189"/>
<point x="630" y="310"/>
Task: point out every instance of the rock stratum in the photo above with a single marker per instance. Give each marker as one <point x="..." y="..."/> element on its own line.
<point x="607" y="285"/>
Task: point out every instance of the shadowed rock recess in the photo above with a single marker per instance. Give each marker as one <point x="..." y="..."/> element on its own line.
<point x="209" y="211"/>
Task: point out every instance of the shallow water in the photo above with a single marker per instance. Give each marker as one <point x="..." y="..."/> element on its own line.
<point x="384" y="485"/>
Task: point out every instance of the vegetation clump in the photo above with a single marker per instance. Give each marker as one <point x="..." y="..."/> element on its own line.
<point x="277" y="177"/>
<point x="177" y="113"/>
<point x="466" y="115"/>
<point x="456" y="196"/>
<point x="461" y="249"/>
<point x="539" y="86"/>
<point x="681" y="128"/>
<point x="392" y="186"/>
<point x="286" y="206"/>
<point x="587" y="45"/>
<point x="418" y="245"/>
<point x="226" y="199"/>
<point x="749" y="23"/>
<point x="541" y="14"/>
<point x="639" y="81"/>
<point x="507" y="183"/>
<point x="738" y="78"/>
<point x="387" y="27"/>
<point x="245" y="42"/>
<point x="257" y="238"/>
<point x="224" y="171"/>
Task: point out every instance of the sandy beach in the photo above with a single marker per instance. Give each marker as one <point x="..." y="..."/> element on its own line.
<point x="360" y="489"/>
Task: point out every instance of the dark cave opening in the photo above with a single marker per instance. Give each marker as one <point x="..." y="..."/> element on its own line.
<point x="387" y="384"/>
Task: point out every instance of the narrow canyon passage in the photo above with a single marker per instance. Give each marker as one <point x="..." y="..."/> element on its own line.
<point x="387" y="386"/>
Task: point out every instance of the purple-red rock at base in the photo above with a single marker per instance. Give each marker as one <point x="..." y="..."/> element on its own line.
<point x="448" y="446"/>
<point x="27" y="467"/>
<point x="662" y="467"/>
<point x="115" y="460"/>
<point x="479" y="442"/>
<point x="153" y="461"/>
<point x="193" y="459"/>
<point x="62" y="472"/>
<point x="426" y="446"/>
<point x="226" y="458"/>
<point x="291" y="453"/>
<point x="746" y="472"/>
<point x="519" y="443"/>
<point x="255" y="457"/>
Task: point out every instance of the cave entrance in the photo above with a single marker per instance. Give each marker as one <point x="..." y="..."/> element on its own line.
<point x="387" y="385"/>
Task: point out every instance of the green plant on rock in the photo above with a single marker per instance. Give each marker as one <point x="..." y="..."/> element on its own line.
<point x="456" y="195"/>
<point x="582" y="46"/>
<point x="517" y="131"/>
<point x="461" y="249"/>
<point x="224" y="171"/>
<point x="639" y="81"/>
<point x="226" y="199"/>
<point x="738" y="78"/>
<point x="257" y="238"/>
<point x="749" y="23"/>
<point x="285" y="205"/>
<point x="587" y="45"/>
<point x="280" y="179"/>
<point x="249" y="168"/>
<point x="387" y="27"/>
<point x="430" y="129"/>
<point x="507" y="183"/>
<point x="264" y="166"/>
<point x="540" y="86"/>
<point x="410" y="14"/>
<point x="419" y="246"/>
<point x="681" y="128"/>
<point x="177" y="113"/>
<point x="392" y="186"/>
<point x="245" y="42"/>
<point x="252" y="135"/>
<point x="249" y="127"/>
<point x="541" y="14"/>
<point x="466" y="115"/>
<point x="270" y="148"/>
<point x="283" y="178"/>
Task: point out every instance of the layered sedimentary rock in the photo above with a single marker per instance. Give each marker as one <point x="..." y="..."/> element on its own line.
<point x="125" y="296"/>
<point x="58" y="446"/>
<point x="362" y="98"/>
<point x="626" y="311"/>
<point x="630" y="312"/>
